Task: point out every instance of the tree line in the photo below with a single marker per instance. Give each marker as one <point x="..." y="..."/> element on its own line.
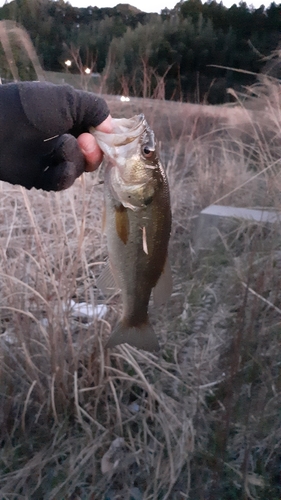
<point x="189" y="53"/>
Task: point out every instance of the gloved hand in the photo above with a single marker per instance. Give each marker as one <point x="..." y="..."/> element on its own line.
<point x="39" y="124"/>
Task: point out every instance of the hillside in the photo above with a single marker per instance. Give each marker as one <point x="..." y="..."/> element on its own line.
<point x="193" y="53"/>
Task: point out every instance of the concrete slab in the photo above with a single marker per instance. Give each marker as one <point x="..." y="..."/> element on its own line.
<point x="218" y="218"/>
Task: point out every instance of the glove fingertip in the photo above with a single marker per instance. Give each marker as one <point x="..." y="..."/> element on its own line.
<point x="58" y="178"/>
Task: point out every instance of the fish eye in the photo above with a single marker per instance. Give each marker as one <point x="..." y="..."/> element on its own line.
<point x="147" y="153"/>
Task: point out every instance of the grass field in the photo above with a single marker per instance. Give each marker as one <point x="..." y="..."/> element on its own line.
<point x="201" y="420"/>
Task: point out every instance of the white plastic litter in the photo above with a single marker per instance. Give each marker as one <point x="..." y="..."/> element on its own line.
<point x="82" y="309"/>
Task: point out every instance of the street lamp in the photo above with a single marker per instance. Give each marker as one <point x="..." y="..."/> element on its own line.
<point x="68" y="63"/>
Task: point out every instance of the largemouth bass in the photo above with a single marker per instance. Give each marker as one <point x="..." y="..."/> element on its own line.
<point x="137" y="223"/>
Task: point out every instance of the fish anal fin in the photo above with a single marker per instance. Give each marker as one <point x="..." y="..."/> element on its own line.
<point x="142" y="337"/>
<point x="164" y="286"/>
<point x="122" y="223"/>
<point x="106" y="281"/>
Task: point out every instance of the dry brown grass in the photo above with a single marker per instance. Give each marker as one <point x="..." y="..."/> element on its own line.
<point x="202" y="419"/>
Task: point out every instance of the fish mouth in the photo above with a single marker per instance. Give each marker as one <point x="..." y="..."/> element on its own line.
<point x="136" y="128"/>
<point x="123" y="125"/>
<point x="130" y="140"/>
<point x="141" y="131"/>
<point x="128" y="130"/>
<point x="125" y="137"/>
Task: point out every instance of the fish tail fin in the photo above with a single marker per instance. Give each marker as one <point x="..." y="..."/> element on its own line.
<point x="142" y="336"/>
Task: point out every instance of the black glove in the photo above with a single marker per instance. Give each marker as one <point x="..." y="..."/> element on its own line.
<point x="39" y="123"/>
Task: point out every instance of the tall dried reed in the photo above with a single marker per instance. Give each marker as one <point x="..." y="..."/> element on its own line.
<point x="200" y="420"/>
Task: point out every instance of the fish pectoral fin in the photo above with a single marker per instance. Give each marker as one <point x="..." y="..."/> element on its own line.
<point x="122" y="224"/>
<point x="164" y="286"/>
<point x="142" y="337"/>
<point x="106" y="282"/>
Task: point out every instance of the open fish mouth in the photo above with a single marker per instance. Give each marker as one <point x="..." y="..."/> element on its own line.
<point x="124" y="125"/>
<point x="126" y="136"/>
<point x="123" y="130"/>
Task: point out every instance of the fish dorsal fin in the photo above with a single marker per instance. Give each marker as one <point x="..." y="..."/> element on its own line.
<point x="106" y="281"/>
<point x="164" y="286"/>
